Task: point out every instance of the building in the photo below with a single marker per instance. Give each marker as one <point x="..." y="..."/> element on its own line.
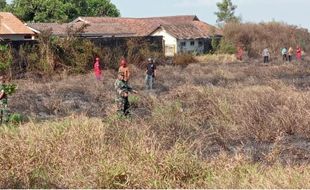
<point x="12" y="29"/>
<point x="180" y="34"/>
<point x="185" y="38"/>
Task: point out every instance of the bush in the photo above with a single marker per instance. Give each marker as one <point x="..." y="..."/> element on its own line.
<point x="5" y="57"/>
<point x="75" y="55"/>
<point x="183" y="59"/>
<point x="15" y="118"/>
<point x="9" y="89"/>
<point x="274" y="35"/>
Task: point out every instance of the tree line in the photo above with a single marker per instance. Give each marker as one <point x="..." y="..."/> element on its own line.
<point x="58" y="10"/>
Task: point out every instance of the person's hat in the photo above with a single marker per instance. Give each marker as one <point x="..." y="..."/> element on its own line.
<point x="97" y="58"/>
<point x="149" y="59"/>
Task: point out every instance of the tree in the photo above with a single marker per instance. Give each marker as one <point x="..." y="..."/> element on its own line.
<point x="2" y="4"/>
<point x="61" y="10"/>
<point x="92" y="8"/>
<point x="226" y="12"/>
<point x="39" y="10"/>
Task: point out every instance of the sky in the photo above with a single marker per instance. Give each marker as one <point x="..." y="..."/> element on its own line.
<point x="294" y="12"/>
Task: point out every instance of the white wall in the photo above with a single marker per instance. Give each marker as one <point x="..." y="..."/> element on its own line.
<point x="189" y="47"/>
<point x="174" y="46"/>
<point x="15" y="37"/>
<point x="169" y="40"/>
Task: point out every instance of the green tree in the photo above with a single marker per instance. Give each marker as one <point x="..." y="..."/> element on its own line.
<point x="2" y="4"/>
<point x="61" y="10"/>
<point x="39" y="10"/>
<point x="226" y="12"/>
<point x="91" y="8"/>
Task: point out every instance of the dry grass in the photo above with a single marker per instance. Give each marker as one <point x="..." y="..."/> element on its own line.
<point x="79" y="152"/>
<point x="273" y="35"/>
<point x="205" y="125"/>
<point x="216" y="58"/>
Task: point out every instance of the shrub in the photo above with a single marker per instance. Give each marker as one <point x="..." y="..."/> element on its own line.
<point x="75" y="55"/>
<point x="274" y="35"/>
<point x="5" y="57"/>
<point x="15" y="118"/>
<point x="183" y="59"/>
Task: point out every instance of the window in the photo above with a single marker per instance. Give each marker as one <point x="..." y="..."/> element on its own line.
<point x="200" y="43"/>
<point x="183" y="43"/>
<point x="27" y="37"/>
<point x="192" y="43"/>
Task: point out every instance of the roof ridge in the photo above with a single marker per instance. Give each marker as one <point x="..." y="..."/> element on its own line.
<point x="172" y="16"/>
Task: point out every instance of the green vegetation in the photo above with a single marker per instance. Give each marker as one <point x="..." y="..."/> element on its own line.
<point x="2" y="4"/>
<point x="60" y="10"/>
<point x="5" y="57"/>
<point x="226" y="12"/>
<point x="9" y="89"/>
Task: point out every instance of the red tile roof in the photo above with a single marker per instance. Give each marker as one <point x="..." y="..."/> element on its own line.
<point x="10" y="24"/>
<point x="185" y="31"/>
<point x="56" y="29"/>
<point x="102" y="29"/>
<point x="117" y="26"/>
<point x="207" y="28"/>
<point x="140" y="26"/>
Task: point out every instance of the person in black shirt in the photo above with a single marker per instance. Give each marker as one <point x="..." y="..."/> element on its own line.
<point x="150" y="74"/>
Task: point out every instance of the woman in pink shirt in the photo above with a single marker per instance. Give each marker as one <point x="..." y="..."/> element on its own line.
<point x="97" y="70"/>
<point x="298" y="53"/>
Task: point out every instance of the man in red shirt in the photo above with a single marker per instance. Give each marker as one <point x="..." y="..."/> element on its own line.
<point x="124" y="69"/>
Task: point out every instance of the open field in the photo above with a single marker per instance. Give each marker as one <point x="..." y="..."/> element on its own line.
<point x="236" y="125"/>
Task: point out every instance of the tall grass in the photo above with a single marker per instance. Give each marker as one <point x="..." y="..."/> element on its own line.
<point x="209" y="125"/>
<point x="88" y="153"/>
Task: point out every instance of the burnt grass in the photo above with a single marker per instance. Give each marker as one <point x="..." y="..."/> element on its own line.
<point x="262" y="111"/>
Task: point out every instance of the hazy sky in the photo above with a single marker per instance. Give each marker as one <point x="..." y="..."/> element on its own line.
<point x="294" y="12"/>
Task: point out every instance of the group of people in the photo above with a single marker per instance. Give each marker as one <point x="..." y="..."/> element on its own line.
<point x="121" y="84"/>
<point x="287" y="54"/>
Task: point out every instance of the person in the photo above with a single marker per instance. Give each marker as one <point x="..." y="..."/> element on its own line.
<point x="124" y="68"/>
<point x="298" y="53"/>
<point x="122" y="90"/>
<point x="239" y="53"/>
<point x="290" y="54"/>
<point x="266" y="55"/>
<point x="3" y="101"/>
<point x="150" y="74"/>
<point x="284" y="54"/>
<point x="97" y="70"/>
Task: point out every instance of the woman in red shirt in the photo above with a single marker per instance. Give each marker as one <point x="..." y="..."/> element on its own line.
<point x="298" y="53"/>
<point x="97" y="70"/>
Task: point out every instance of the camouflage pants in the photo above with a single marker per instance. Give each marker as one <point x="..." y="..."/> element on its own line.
<point x="122" y="105"/>
<point x="4" y="113"/>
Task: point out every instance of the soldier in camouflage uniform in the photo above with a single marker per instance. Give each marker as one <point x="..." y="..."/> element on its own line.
<point x="122" y="90"/>
<point x="3" y="102"/>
